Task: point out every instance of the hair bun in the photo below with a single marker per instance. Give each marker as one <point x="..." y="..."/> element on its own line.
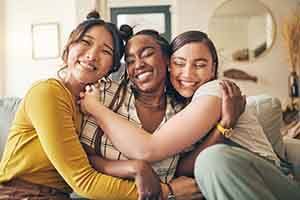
<point x="126" y="32"/>
<point x="93" y="15"/>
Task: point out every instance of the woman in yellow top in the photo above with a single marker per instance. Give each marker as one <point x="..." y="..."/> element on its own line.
<point x="43" y="157"/>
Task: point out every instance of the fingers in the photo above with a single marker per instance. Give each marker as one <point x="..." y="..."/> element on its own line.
<point x="244" y="101"/>
<point x="224" y="88"/>
<point x="92" y="88"/>
<point x="197" y="196"/>
<point x="194" y="196"/>
<point x="97" y="85"/>
<point x="81" y="94"/>
<point x="230" y="88"/>
<point x="149" y="196"/>
<point x="233" y="88"/>
<point x="88" y="88"/>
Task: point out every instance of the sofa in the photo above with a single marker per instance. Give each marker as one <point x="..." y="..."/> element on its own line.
<point x="267" y="109"/>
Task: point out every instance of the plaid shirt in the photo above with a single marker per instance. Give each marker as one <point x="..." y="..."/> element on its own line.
<point x="165" y="169"/>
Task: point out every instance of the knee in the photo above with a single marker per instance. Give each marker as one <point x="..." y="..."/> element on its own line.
<point x="214" y="160"/>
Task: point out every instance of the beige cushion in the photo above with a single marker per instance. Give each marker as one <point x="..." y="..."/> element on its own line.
<point x="269" y="113"/>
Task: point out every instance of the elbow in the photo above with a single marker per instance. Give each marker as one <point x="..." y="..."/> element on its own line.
<point x="83" y="184"/>
<point x="82" y="191"/>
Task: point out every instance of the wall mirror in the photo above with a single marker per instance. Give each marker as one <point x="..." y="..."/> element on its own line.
<point x="243" y="30"/>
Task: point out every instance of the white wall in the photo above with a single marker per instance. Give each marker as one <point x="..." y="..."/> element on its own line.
<point x="257" y="29"/>
<point x="20" y="69"/>
<point x="222" y="28"/>
<point x="272" y="68"/>
<point x="172" y="3"/>
<point x="2" y="39"/>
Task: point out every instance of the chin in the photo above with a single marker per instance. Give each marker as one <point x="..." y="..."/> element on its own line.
<point x="146" y="87"/>
<point x="186" y="93"/>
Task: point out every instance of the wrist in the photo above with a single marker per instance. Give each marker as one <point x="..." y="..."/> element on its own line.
<point x="139" y="167"/>
<point x="165" y="191"/>
<point x="225" y="123"/>
<point x="226" y="132"/>
<point x="96" y="110"/>
<point x="171" y="195"/>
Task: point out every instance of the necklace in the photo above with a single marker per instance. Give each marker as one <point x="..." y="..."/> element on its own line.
<point x="154" y="106"/>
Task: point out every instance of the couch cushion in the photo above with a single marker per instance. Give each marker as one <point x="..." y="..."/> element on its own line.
<point x="8" y="107"/>
<point x="269" y="113"/>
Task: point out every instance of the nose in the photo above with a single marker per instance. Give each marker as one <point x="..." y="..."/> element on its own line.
<point x="92" y="54"/>
<point x="188" y="70"/>
<point x="139" y="63"/>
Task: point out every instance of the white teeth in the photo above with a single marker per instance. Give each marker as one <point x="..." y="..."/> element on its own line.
<point x="187" y="83"/>
<point x="87" y="66"/>
<point x="144" y="75"/>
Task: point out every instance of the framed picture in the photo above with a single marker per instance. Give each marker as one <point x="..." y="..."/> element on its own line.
<point x="149" y="17"/>
<point x="45" y="41"/>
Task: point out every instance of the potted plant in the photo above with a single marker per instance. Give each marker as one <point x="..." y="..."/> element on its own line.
<point x="291" y="34"/>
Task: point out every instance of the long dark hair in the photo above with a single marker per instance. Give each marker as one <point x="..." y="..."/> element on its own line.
<point x="93" y="19"/>
<point x="180" y="41"/>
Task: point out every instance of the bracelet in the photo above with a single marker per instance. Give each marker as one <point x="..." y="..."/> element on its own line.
<point x="171" y="195"/>
<point x="226" y="132"/>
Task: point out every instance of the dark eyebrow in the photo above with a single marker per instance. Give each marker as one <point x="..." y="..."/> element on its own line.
<point x="178" y="57"/>
<point x="196" y="60"/>
<point x="201" y="59"/>
<point x="140" y="51"/>
<point x="92" y="38"/>
<point x="146" y="48"/>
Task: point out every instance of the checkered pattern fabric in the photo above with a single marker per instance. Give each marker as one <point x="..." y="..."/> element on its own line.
<point x="165" y="168"/>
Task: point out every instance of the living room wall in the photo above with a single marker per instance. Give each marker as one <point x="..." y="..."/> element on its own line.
<point x="20" y="70"/>
<point x="271" y="69"/>
<point x="2" y="38"/>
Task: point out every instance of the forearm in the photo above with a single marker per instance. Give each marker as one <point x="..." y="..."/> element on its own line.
<point x="141" y="139"/>
<point x="183" y="129"/>
<point x="186" y="163"/>
<point x="128" y="169"/>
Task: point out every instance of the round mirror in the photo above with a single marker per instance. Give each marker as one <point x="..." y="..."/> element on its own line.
<point x="243" y="30"/>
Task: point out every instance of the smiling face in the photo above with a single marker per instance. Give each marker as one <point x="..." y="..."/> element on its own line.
<point x="146" y="64"/>
<point x="190" y="67"/>
<point x="90" y="58"/>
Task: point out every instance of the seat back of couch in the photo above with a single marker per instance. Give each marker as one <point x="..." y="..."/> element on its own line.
<point x="269" y="113"/>
<point x="8" y="107"/>
<point x="267" y="109"/>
